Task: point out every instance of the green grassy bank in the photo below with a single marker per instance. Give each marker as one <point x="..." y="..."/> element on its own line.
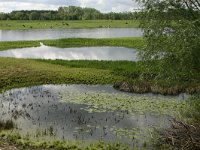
<point x="22" y="72"/>
<point x="22" y="25"/>
<point x="15" y="141"/>
<point x="18" y="44"/>
<point x="133" y="42"/>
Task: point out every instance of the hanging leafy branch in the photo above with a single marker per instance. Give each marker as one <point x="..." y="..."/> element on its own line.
<point x="172" y="33"/>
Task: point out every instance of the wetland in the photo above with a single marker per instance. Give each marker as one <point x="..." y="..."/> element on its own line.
<point x="58" y="93"/>
<point x="88" y="113"/>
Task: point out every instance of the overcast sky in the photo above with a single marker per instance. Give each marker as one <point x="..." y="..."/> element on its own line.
<point x="102" y="5"/>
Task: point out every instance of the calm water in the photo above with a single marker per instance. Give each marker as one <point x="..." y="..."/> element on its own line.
<point x="82" y="53"/>
<point x="49" y="111"/>
<point x="40" y="34"/>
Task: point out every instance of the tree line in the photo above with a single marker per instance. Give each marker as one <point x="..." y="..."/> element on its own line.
<point x="67" y="13"/>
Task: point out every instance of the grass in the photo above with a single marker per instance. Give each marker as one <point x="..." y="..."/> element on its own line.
<point x="185" y="132"/>
<point x="23" y="25"/>
<point x="27" y="144"/>
<point x="127" y="74"/>
<point x="26" y="72"/>
<point x="134" y="42"/>
<point x="131" y="74"/>
<point x="18" y="44"/>
<point x="192" y="112"/>
<point x="6" y="125"/>
<point x="21" y="72"/>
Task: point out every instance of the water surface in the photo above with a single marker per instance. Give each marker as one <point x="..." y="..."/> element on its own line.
<point x="52" y="112"/>
<point x="41" y="34"/>
<point x="80" y="53"/>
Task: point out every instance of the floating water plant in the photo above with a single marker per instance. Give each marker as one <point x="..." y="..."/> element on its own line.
<point x="87" y="113"/>
<point x="102" y="102"/>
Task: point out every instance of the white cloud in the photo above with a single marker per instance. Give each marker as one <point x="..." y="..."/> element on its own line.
<point x="10" y="6"/>
<point x="102" y="5"/>
<point x="110" y="5"/>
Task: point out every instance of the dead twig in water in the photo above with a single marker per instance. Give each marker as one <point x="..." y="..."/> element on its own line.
<point x="182" y="135"/>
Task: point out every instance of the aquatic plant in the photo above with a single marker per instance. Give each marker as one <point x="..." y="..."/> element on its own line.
<point x="184" y="133"/>
<point x="26" y="143"/>
<point x="102" y="102"/>
<point x="7" y="125"/>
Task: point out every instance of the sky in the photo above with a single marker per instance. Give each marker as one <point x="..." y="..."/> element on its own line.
<point x="102" y="5"/>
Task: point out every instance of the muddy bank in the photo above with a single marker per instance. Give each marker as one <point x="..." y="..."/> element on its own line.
<point x="143" y="87"/>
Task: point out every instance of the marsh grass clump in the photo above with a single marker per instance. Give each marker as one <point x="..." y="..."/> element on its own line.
<point x="24" y="143"/>
<point x="192" y="112"/>
<point x="6" y="125"/>
<point x="185" y="134"/>
<point x="163" y="87"/>
<point x="182" y="135"/>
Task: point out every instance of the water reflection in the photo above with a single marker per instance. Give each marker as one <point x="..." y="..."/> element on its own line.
<point x="39" y="112"/>
<point x="40" y="34"/>
<point x="83" y="53"/>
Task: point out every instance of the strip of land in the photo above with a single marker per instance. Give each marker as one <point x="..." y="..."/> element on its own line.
<point x="132" y="42"/>
<point x="39" y="24"/>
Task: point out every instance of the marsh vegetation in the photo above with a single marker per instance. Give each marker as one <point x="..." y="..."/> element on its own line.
<point x="71" y="104"/>
<point x="88" y="113"/>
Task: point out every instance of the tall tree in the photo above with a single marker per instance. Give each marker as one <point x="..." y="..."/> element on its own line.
<point x="34" y="16"/>
<point x="172" y="33"/>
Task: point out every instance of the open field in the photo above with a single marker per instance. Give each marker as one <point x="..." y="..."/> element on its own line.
<point x="133" y="42"/>
<point x="24" y="25"/>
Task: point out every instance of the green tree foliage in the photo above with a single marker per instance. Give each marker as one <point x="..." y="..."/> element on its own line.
<point x="67" y="13"/>
<point x="4" y="16"/>
<point x="172" y="33"/>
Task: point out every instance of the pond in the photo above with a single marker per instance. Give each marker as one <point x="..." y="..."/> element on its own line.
<point x="81" y="53"/>
<point x="86" y="113"/>
<point x="41" y="34"/>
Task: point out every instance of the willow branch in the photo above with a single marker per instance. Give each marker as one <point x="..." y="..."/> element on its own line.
<point x="195" y="4"/>
<point x="186" y="3"/>
<point x="198" y="3"/>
